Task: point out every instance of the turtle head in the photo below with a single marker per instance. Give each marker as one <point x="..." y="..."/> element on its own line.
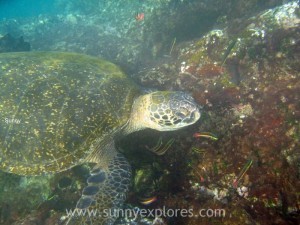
<point x="164" y="111"/>
<point x="171" y="110"/>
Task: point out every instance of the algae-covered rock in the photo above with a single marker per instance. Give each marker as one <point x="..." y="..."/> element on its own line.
<point x="22" y="194"/>
<point x="247" y="79"/>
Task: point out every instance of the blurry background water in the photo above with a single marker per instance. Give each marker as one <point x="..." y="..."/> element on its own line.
<point x="110" y="29"/>
<point x="19" y="9"/>
<point x="238" y="58"/>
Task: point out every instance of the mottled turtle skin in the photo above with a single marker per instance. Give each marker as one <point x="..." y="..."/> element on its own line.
<point x="59" y="110"/>
<point x="43" y="126"/>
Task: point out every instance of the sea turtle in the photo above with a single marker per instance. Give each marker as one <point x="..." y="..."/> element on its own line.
<point x="59" y="110"/>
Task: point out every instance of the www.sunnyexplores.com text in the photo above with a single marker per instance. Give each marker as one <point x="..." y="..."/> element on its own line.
<point x="146" y="213"/>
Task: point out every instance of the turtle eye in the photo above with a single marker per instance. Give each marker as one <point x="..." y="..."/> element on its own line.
<point x="180" y="115"/>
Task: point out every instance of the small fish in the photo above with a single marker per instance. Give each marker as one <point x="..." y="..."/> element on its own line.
<point x="198" y="150"/>
<point x="148" y="201"/>
<point x="160" y="148"/>
<point x="140" y="16"/>
<point x="206" y="135"/>
<point x="242" y="173"/>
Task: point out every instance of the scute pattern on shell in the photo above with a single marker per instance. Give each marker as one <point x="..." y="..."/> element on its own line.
<point x="53" y="107"/>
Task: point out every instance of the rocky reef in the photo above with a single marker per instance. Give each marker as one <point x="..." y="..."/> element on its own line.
<point x="10" y="44"/>
<point x="247" y="80"/>
<point x="110" y="29"/>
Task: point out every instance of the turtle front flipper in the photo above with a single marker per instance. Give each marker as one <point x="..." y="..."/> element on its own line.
<point x="105" y="193"/>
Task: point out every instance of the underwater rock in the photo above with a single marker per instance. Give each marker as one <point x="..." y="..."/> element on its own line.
<point x="217" y="64"/>
<point x="10" y="44"/>
<point x="18" y="195"/>
<point x="161" y="77"/>
<point x="247" y="80"/>
<point x="44" y="198"/>
<point x="109" y="28"/>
